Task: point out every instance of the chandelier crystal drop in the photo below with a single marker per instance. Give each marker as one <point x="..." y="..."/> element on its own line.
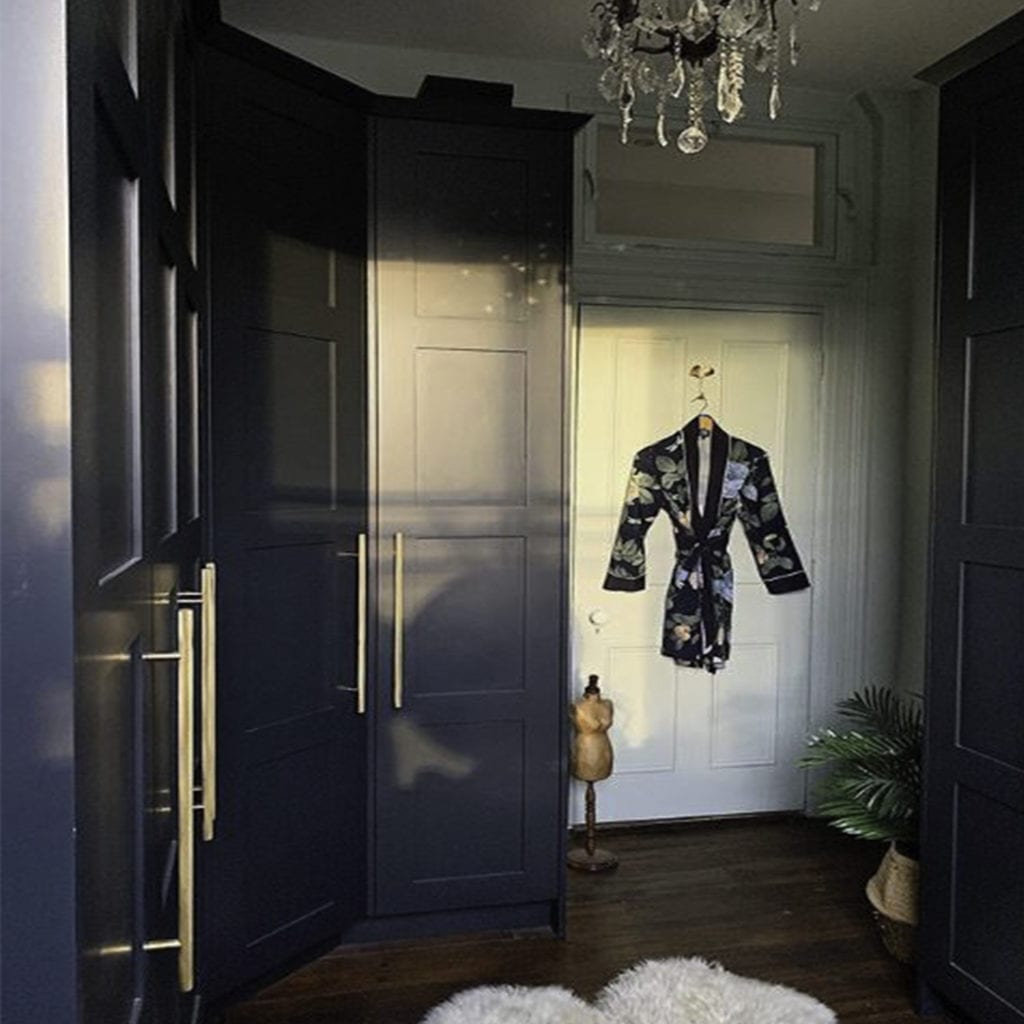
<point x="666" y="48"/>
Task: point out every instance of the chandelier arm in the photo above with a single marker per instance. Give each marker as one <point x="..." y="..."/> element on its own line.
<point x="640" y="48"/>
<point x="689" y="51"/>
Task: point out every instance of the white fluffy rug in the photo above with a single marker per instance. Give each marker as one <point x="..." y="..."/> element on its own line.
<point x="678" y="991"/>
<point x="691" y="991"/>
<point x="514" y="1004"/>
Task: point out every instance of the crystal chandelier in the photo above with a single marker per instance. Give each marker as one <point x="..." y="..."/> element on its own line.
<point x="662" y="47"/>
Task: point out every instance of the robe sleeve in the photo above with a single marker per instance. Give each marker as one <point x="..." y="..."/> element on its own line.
<point x="627" y="568"/>
<point x="760" y="512"/>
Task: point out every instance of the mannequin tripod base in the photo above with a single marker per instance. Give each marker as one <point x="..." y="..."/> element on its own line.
<point x="598" y="860"/>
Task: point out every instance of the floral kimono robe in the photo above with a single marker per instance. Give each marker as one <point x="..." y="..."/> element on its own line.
<point x="698" y="605"/>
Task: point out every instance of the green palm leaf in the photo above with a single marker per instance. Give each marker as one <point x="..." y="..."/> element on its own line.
<point x="873" y="786"/>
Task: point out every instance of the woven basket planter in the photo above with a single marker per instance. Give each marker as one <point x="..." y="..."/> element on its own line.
<point x="893" y="893"/>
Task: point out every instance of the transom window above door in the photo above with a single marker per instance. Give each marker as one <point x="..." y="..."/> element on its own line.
<point x="747" y="193"/>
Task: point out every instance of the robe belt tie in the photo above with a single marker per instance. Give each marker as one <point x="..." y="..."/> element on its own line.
<point x="701" y="554"/>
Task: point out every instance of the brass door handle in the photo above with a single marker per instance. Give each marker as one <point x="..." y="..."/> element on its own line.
<point x="397" y="682"/>
<point x="361" y="613"/>
<point x="206" y="599"/>
<point x="361" y="627"/>
<point x="208" y="682"/>
<point x="185" y="657"/>
<point x="186" y="838"/>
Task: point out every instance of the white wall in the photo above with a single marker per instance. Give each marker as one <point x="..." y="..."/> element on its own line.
<point x="901" y="301"/>
<point x="889" y="327"/>
<point x="920" y="396"/>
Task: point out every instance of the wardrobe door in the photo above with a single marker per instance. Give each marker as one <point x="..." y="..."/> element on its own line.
<point x="470" y="540"/>
<point x="973" y="895"/>
<point x="136" y="293"/>
<point x="285" y="232"/>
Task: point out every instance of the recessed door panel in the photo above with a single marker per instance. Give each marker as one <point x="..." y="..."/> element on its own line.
<point x="470" y="427"/>
<point x="997" y="241"/>
<point x="989" y="892"/>
<point x="444" y="774"/>
<point x="480" y="583"/>
<point x="173" y="376"/>
<point x="291" y="445"/>
<point x="753" y="385"/>
<point x="294" y="853"/>
<point x="992" y="659"/>
<point x="118" y="419"/>
<point x="645" y="740"/>
<point x="293" y="256"/>
<point x="745" y="709"/>
<point x="282" y="597"/>
<point x="189" y="399"/>
<point x="121" y="21"/>
<point x="112" y="909"/>
<point x="471" y="257"/>
<point x="994" y="486"/>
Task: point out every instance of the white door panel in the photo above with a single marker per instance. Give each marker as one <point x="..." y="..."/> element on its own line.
<point x="686" y="742"/>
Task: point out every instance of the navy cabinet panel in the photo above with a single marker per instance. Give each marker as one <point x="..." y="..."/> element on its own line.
<point x="972" y="946"/>
<point x="470" y="349"/>
<point x="284" y="229"/>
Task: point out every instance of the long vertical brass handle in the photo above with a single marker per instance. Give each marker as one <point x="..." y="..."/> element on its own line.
<point x="186" y="781"/>
<point x="361" y="627"/>
<point x="208" y="647"/>
<point x="397" y="680"/>
<point x="185" y="657"/>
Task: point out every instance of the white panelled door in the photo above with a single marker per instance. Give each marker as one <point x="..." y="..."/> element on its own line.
<point x="689" y="743"/>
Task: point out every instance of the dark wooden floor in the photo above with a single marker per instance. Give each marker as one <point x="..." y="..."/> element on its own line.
<point x="780" y="900"/>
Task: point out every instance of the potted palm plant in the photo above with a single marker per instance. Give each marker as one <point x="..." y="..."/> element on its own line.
<point x="873" y="790"/>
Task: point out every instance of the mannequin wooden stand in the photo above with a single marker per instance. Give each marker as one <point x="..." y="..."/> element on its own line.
<point x="589" y="857"/>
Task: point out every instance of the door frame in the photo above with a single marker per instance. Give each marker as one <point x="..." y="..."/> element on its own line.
<point x="839" y="561"/>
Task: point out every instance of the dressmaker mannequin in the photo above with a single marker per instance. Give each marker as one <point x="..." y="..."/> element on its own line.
<point x="592" y="760"/>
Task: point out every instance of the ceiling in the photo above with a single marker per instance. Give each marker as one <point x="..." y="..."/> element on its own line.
<point x="848" y="45"/>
